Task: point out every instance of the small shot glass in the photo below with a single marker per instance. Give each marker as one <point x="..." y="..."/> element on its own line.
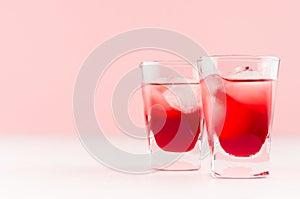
<point x="238" y="102"/>
<point x="173" y="114"/>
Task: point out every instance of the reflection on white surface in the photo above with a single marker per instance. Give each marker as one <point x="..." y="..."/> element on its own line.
<point x="43" y="167"/>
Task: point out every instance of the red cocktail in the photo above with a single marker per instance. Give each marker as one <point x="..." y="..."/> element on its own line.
<point x="175" y="127"/>
<point x="242" y="115"/>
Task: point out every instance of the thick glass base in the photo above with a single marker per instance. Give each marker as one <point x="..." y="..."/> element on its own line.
<point x="224" y="165"/>
<point x="174" y="161"/>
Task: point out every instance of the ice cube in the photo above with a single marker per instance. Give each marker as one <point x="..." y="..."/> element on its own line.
<point x="215" y="84"/>
<point x="183" y="97"/>
<point x="244" y="72"/>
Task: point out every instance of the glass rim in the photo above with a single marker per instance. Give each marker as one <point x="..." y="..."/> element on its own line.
<point x="168" y="62"/>
<point x="236" y="57"/>
<point x="181" y="71"/>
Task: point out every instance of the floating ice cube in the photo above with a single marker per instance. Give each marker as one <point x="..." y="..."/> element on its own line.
<point x="245" y="72"/>
<point x="183" y="97"/>
<point x="215" y="84"/>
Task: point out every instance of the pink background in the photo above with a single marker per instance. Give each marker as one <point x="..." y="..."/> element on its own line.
<point x="43" y="44"/>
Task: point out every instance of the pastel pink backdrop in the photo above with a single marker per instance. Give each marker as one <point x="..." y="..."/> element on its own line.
<point x="43" y="44"/>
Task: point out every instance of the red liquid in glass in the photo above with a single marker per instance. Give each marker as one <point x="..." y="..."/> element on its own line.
<point x="242" y="115"/>
<point x="174" y="130"/>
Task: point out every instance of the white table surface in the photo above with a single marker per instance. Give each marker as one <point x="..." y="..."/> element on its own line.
<point x="53" y="167"/>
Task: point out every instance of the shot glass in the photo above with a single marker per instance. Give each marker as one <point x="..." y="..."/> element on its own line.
<point x="238" y="102"/>
<point x="173" y="114"/>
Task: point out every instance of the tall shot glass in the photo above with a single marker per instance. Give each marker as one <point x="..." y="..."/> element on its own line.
<point x="238" y="102"/>
<point x="173" y="114"/>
